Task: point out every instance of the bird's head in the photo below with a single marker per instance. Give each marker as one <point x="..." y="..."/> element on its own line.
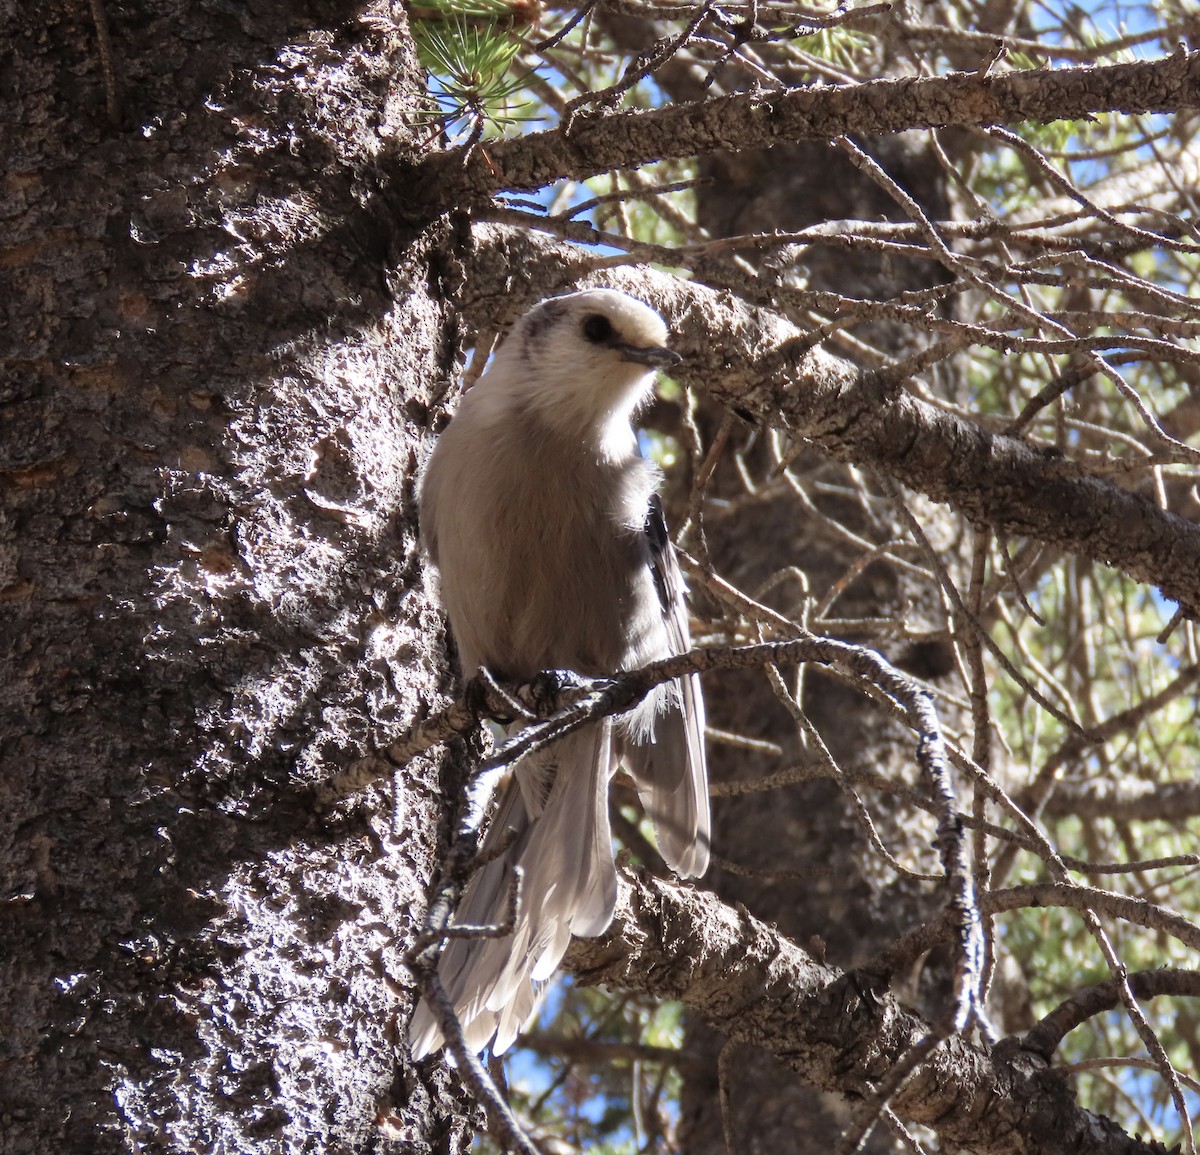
<point x="587" y="359"/>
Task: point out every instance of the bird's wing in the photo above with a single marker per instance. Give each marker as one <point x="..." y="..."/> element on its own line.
<point x="669" y="763"/>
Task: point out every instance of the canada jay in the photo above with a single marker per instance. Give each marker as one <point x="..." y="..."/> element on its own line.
<point x="546" y="528"/>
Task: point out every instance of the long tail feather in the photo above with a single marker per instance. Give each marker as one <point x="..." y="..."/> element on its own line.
<point x="563" y="848"/>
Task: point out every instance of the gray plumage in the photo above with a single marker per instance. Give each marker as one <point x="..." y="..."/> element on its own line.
<point x="544" y="523"/>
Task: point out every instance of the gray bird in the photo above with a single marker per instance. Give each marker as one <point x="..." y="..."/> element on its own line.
<point x="544" y="523"/>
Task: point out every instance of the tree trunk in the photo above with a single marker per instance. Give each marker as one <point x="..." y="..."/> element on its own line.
<point x="214" y="399"/>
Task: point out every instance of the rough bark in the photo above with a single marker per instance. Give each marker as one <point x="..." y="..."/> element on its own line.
<point x="758" y="120"/>
<point x="217" y="376"/>
<point x="743" y="977"/>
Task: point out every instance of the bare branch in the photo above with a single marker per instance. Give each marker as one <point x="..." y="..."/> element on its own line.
<point x="1095" y="1000"/>
<point x="755" y="986"/>
<point x="1064" y="895"/>
<point x="1128" y="799"/>
<point x="759" y="119"/>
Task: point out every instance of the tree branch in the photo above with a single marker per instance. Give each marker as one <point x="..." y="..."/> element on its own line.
<point x="755" y="986"/>
<point x="1046" y="1036"/>
<point x="1132" y="800"/>
<point x="757" y="120"/>
<point x="765" y="368"/>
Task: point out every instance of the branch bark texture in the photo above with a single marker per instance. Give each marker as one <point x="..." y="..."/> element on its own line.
<point x="600" y="144"/>
<point x="754" y="986"/>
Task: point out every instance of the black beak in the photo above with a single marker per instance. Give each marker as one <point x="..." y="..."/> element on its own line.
<point x="656" y="357"/>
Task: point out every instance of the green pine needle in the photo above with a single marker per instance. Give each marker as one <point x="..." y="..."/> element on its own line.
<point x="468" y="55"/>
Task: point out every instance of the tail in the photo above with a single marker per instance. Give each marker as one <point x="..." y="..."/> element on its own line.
<point x="557" y="806"/>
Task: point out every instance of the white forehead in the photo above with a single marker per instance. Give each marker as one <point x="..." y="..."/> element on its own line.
<point x="635" y="323"/>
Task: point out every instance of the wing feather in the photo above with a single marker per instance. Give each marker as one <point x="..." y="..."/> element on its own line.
<point x="667" y="759"/>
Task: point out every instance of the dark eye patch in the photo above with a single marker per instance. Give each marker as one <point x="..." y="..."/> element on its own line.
<point x="598" y="329"/>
